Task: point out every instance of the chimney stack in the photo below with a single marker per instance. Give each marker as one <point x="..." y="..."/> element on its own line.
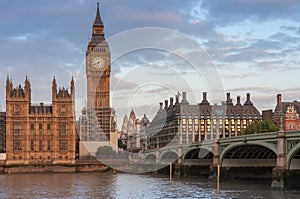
<point x="184" y="101"/>
<point x="204" y="97"/>
<point x="177" y="99"/>
<point x="248" y="101"/>
<point x="166" y="104"/>
<point x="248" y="97"/>
<point x="279" y="99"/>
<point x="171" y="101"/>
<point x="238" y="100"/>
<point x="160" y="105"/>
<point x="184" y="96"/>
<point x="228" y="97"/>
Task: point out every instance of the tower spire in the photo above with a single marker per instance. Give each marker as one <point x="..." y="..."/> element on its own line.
<point x="98" y="20"/>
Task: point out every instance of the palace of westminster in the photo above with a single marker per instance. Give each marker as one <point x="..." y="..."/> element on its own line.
<point x="48" y="133"/>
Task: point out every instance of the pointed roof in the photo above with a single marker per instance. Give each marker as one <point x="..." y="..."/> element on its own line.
<point x="98" y="20"/>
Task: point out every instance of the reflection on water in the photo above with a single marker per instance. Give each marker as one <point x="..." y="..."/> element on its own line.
<point x="96" y="185"/>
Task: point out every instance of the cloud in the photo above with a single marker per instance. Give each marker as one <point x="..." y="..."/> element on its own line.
<point x="262" y="89"/>
<point x="289" y="28"/>
<point x="232" y="11"/>
<point x="121" y="84"/>
<point x="46" y="38"/>
<point x="241" y="75"/>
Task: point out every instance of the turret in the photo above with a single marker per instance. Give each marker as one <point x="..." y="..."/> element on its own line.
<point x="132" y="115"/>
<point x="27" y="89"/>
<point x="72" y="88"/>
<point x="54" y="88"/>
<point x="9" y="87"/>
<point x="18" y="92"/>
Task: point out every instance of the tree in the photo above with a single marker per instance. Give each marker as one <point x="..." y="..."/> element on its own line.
<point x="121" y="145"/>
<point x="106" y="152"/>
<point x="260" y="127"/>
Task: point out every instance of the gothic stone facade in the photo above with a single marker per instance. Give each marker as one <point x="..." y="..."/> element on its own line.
<point x="133" y="132"/>
<point x="40" y="133"/>
<point x="2" y="131"/>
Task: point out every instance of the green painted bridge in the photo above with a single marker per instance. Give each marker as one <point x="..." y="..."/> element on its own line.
<point x="275" y="152"/>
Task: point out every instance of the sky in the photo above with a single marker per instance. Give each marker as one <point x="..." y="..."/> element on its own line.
<point x="241" y="46"/>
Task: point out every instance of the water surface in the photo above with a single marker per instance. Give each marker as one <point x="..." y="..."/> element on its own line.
<point x="108" y="185"/>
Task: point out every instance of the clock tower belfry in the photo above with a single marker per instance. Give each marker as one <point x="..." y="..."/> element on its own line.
<point x="97" y="121"/>
<point x="98" y="67"/>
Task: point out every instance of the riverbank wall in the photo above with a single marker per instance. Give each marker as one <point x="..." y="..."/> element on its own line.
<point x="79" y="166"/>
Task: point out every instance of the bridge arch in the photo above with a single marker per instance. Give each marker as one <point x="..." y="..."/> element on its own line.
<point x="150" y="158"/>
<point x="168" y="156"/>
<point x="249" y="154"/>
<point x="293" y="158"/>
<point x="198" y="156"/>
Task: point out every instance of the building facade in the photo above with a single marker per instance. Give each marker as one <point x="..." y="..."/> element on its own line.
<point x="40" y="133"/>
<point x="182" y="123"/>
<point x="286" y="114"/>
<point x="133" y="132"/>
<point x="2" y="132"/>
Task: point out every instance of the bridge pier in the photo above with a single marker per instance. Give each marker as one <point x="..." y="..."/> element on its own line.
<point x="157" y="154"/>
<point x="179" y="170"/>
<point x="179" y="167"/>
<point x="216" y="161"/>
<point x="280" y="172"/>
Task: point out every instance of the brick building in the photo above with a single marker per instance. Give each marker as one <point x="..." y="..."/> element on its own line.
<point x="40" y="133"/>
<point x="286" y="114"/>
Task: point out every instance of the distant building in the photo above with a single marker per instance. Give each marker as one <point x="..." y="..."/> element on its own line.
<point x="40" y="133"/>
<point x="133" y="132"/>
<point x="267" y="114"/>
<point x="181" y="122"/>
<point x="2" y="132"/>
<point x="286" y="114"/>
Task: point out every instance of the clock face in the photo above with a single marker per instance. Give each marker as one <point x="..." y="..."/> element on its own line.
<point x="98" y="62"/>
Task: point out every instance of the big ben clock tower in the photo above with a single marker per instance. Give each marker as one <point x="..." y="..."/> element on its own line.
<point x="99" y="115"/>
<point x="98" y="67"/>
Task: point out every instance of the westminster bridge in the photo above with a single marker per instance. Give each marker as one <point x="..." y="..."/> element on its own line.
<point x="272" y="155"/>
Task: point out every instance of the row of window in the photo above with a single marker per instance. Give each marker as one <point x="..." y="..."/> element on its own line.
<point x="63" y="145"/>
<point x="215" y="121"/>
<point x="226" y="116"/>
<point x="17" y="128"/>
<point x="97" y="49"/>
<point x="41" y="159"/>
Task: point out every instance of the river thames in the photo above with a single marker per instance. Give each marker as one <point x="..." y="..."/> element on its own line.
<point x="122" y="185"/>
